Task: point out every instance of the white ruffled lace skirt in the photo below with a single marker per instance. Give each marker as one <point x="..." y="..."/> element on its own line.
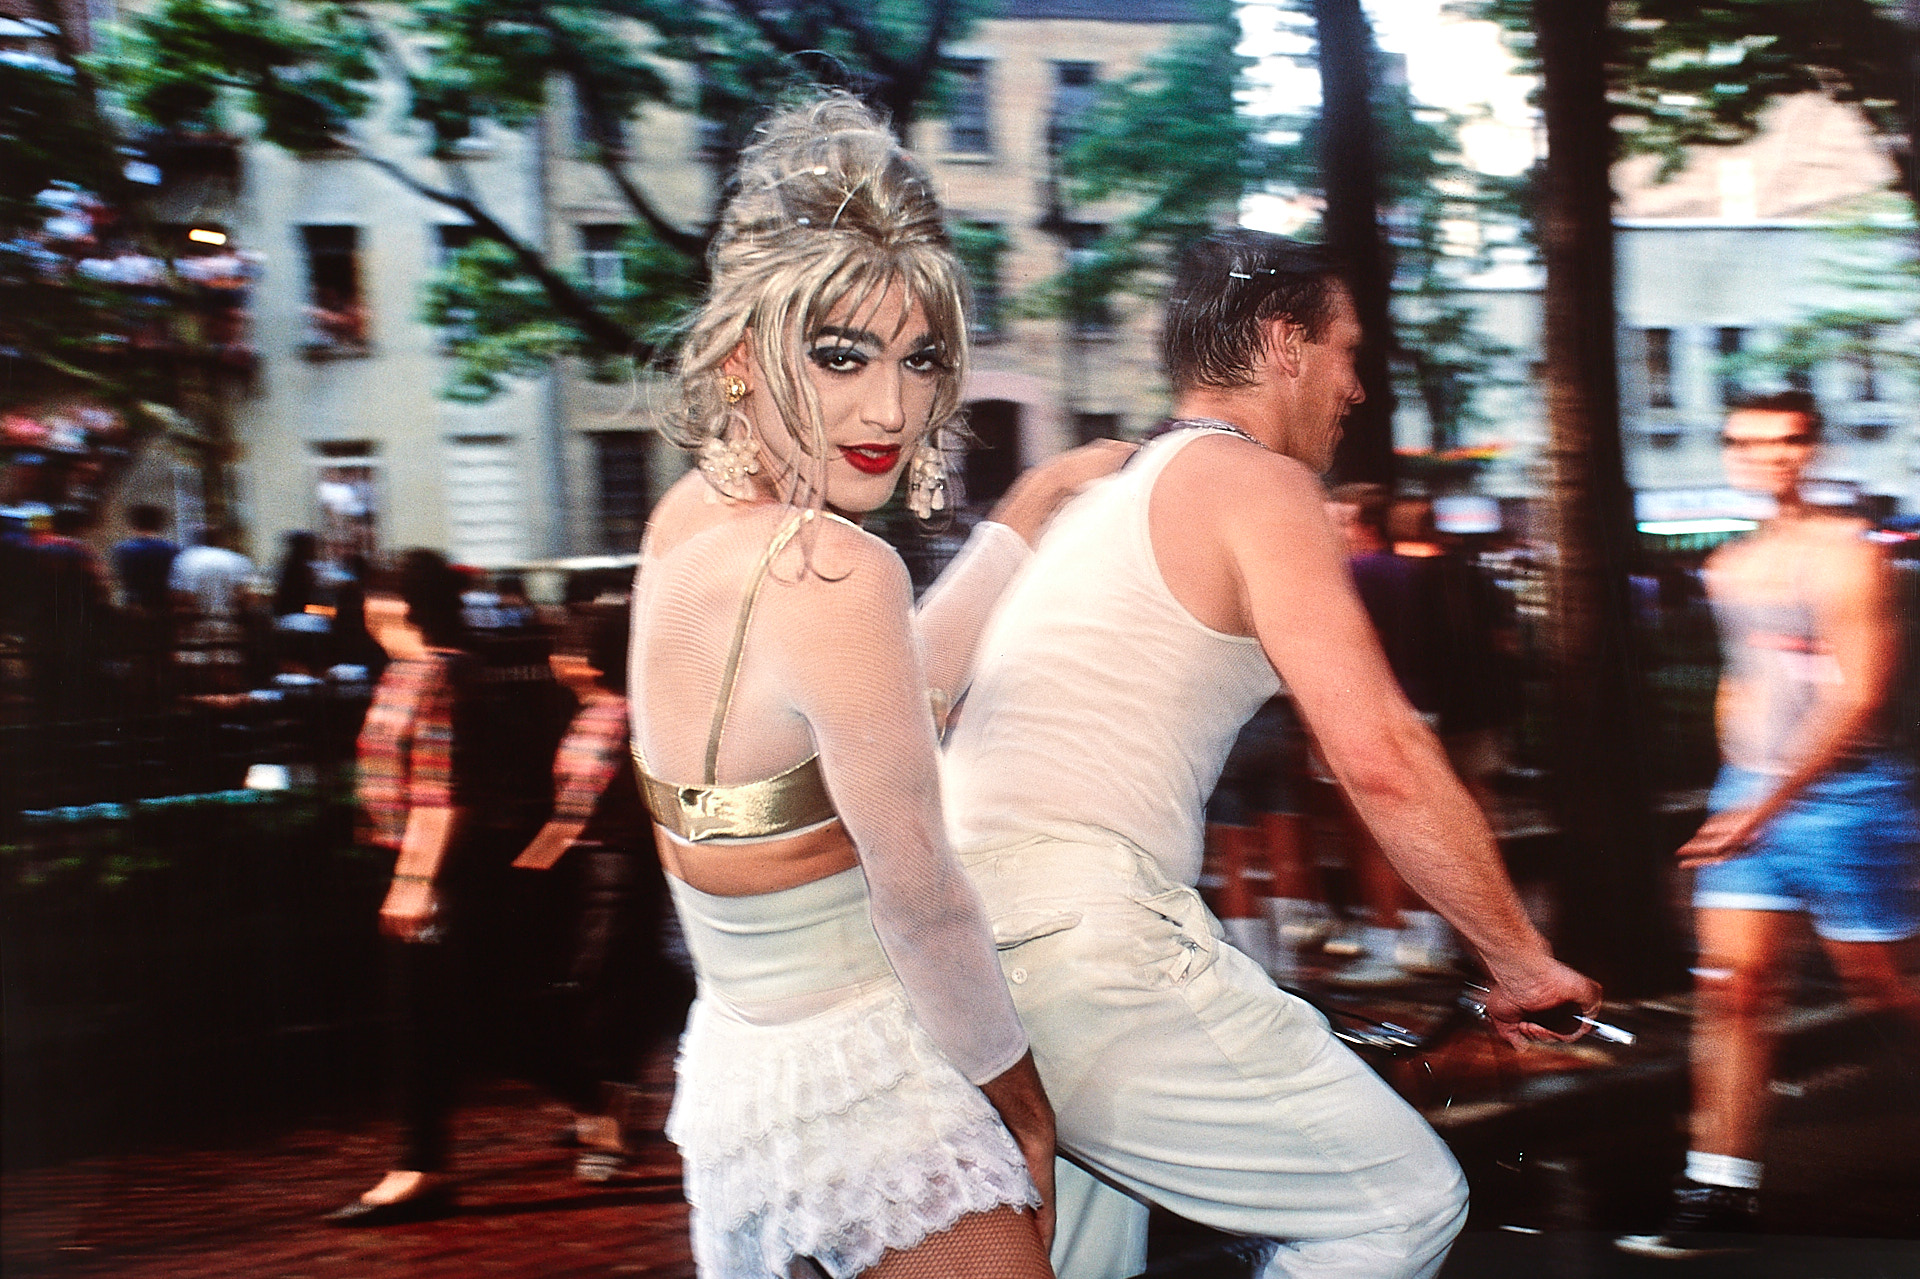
<point x="814" y="1116"/>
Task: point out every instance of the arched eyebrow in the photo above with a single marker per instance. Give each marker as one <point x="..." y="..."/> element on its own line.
<point x="851" y="336"/>
<point x="867" y="337"/>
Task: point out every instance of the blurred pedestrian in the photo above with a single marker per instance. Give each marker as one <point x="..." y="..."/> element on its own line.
<point x="1811" y="814"/>
<point x="300" y="607"/>
<point x="351" y="643"/>
<point x="429" y="791"/>
<point x="143" y="562"/>
<point x="618" y="988"/>
<point x="213" y="593"/>
<point x="1256" y="818"/>
<point x="65" y="619"/>
<point x="1398" y="574"/>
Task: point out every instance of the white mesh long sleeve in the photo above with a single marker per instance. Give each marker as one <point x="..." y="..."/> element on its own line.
<point x="955" y="609"/>
<point x="831" y="662"/>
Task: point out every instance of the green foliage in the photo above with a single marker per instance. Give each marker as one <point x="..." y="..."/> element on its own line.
<point x="60" y="331"/>
<point x="302" y="74"/>
<point x="1877" y="267"/>
<point x="501" y="323"/>
<point x="980" y="246"/>
<point x="45" y="137"/>
<point x="1170" y="142"/>
<point x="1682" y="73"/>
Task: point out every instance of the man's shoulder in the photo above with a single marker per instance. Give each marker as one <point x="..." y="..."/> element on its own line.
<point x="1220" y="465"/>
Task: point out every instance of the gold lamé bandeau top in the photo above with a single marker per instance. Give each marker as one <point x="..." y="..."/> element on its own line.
<point x="777" y="805"/>
<point x="791" y="801"/>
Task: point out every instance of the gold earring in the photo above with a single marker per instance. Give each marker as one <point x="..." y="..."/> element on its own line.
<point x="734" y="388"/>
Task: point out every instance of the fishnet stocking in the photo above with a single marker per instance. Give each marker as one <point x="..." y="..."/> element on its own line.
<point x="1002" y="1244"/>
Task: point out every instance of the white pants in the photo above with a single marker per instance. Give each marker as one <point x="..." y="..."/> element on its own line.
<point x="1180" y="1073"/>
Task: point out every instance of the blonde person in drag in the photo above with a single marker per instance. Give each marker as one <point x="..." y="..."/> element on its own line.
<point x="855" y="1093"/>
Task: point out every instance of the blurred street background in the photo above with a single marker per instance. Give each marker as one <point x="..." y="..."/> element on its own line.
<point x="288" y="287"/>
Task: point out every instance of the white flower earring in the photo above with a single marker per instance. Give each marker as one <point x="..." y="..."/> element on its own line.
<point x="729" y="460"/>
<point x="927" y="479"/>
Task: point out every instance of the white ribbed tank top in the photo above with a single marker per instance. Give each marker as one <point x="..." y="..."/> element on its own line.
<point x="1099" y="705"/>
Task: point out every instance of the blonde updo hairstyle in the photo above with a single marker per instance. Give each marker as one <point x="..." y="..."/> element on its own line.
<point x="827" y="211"/>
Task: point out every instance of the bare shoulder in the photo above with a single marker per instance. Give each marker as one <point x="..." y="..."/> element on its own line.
<point x="1229" y="477"/>
<point x="1843" y="559"/>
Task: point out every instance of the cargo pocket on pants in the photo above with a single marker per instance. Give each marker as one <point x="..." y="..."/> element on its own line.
<point x="1191" y="934"/>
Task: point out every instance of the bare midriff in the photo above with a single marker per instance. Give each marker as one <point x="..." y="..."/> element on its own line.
<point x="747" y="869"/>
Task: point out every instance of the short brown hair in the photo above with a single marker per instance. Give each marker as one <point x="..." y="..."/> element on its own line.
<point x="1800" y="403"/>
<point x="1226" y="287"/>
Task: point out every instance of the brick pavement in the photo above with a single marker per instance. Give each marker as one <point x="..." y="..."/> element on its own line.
<point x="253" y="1211"/>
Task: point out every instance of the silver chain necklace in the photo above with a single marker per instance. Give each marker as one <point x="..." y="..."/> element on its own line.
<point x="1215" y="424"/>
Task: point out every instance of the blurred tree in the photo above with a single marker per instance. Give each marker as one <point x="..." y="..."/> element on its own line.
<point x="1350" y="178"/>
<point x="1171" y="140"/>
<point x="61" y="330"/>
<point x="1612" y="874"/>
<point x="1876" y="268"/>
<point x="1681" y="73"/>
<point x="304" y="75"/>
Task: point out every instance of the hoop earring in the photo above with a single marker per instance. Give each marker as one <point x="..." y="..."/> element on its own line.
<point x="728" y="464"/>
<point x="734" y="388"/>
<point x="927" y="479"/>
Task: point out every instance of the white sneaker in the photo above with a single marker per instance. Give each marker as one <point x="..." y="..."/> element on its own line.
<point x="1251" y="937"/>
<point x="1376" y="966"/>
<point x="1299" y="924"/>
<point x="1369" y="970"/>
<point x="1346" y="939"/>
<point x="1426" y="944"/>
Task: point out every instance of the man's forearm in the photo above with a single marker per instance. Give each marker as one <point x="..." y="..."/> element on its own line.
<point x="1439" y="841"/>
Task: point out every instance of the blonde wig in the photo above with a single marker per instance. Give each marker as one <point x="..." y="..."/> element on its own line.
<point x="827" y="212"/>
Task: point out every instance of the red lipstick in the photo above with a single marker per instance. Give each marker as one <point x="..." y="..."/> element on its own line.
<point x="871" y="459"/>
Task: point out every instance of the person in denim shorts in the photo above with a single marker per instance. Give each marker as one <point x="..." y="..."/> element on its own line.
<point x="1813" y="811"/>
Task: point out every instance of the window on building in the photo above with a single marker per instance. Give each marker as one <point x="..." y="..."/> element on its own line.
<point x="1075" y="85"/>
<point x="622" y="460"/>
<point x="1866" y="369"/>
<point x="486" y="491"/>
<point x="449" y="239"/>
<point x="981" y="245"/>
<point x="1730" y="340"/>
<point x="346" y="493"/>
<point x="1659" y="368"/>
<point x="1089" y="305"/>
<point x="968" y="115"/>
<point x="336" y="313"/>
<point x="593" y="130"/>
<point x="601" y="258"/>
<point x="1088" y="427"/>
<point x="1800" y="379"/>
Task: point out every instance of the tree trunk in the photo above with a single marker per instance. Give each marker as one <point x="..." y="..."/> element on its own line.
<point x="1614" y="883"/>
<point x="1350" y="174"/>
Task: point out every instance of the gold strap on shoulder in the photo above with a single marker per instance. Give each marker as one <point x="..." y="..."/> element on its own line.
<point x="725" y="702"/>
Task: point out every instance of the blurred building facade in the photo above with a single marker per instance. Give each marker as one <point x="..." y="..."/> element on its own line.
<point x="344" y="428"/>
<point x="1039" y="383"/>
<point x="1739" y="254"/>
